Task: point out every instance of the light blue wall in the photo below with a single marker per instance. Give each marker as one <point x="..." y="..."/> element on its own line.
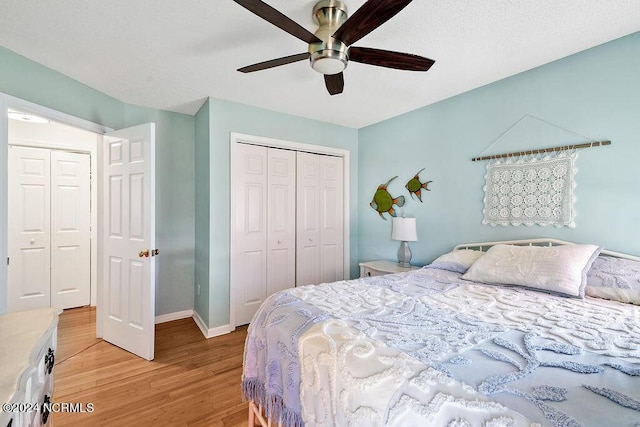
<point x="175" y="177"/>
<point x="595" y="93"/>
<point x="229" y="117"/>
<point x="203" y="140"/>
<point x="31" y="81"/>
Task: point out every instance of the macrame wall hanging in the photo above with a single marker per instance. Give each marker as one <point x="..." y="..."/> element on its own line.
<point x="533" y="186"/>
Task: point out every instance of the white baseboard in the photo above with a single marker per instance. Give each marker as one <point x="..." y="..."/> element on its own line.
<point x="210" y="332"/>
<point x="174" y="316"/>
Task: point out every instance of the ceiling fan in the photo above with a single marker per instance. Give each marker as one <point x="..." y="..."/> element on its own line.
<point x="330" y="47"/>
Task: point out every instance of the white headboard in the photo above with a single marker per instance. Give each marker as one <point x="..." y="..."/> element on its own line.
<point x="483" y="246"/>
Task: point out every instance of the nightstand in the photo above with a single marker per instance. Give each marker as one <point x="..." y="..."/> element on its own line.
<point x="382" y="267"/>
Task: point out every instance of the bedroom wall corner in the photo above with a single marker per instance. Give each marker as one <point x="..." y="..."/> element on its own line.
<point x="227" y="117"/>
<point x="593" y="93"/>
<point x="202" y="230"/>
<point x="175" y="205"/>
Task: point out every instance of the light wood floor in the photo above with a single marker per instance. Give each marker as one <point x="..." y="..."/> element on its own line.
<point x="192" y="381"/>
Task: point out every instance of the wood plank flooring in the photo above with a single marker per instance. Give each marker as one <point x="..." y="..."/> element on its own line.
<point x="192" y="381"/>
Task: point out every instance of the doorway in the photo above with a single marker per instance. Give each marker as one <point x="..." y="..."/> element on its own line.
<point x="125" y="198"/>
<point x="52" y="215"/>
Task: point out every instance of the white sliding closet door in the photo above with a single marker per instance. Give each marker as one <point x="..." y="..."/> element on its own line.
<point x="70" y="229"/>
<point x="320" y="224"/>
<point x="29" y="280"/>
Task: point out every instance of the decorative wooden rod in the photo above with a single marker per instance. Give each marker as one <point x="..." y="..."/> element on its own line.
<point x="544" y="150"/>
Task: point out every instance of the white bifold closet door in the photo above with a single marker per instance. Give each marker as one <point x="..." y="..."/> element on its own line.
<point x="287" y="223"/>
<point x="281" y="220"/>
<point x="70" y="229"/>
<point x="29" y="225"/>
<point x="49" y="229"/>
<point x="320" y="226"/>
<point x="263" y="254"/>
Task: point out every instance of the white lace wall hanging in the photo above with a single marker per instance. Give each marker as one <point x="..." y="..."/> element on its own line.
<point x="530" y="190"/>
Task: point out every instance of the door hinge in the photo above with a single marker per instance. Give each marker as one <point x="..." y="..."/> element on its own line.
<point x="7" y="260"/>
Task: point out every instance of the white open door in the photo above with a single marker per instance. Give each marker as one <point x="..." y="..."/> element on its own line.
<point x="127" y="306"/>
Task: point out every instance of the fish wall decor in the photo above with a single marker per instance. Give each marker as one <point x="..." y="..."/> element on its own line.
<point x="415" y="186"/>
<point x="383" y="201"/>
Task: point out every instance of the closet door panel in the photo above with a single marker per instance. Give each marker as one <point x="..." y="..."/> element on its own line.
<point x="249" y="228"/>
<point x="70" y="229"/>
<point x="331" y="219"/>
<point x="281" y="218"/>
<point x="29" y="240"/>
<point x="308" y="219"/>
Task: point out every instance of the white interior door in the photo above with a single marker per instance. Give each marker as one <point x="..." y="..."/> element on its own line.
<point x="249" y="229"/>
<point x="308" y="219"/>
<point x="281" y="219"/>
<point x="29" y="239"/>
<point x="70" y="229"/>
<point x="127" y="305"/>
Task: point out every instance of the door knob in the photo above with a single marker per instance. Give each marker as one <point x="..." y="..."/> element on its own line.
<point x="155" y="252"/>
<point x="144" y="254"/>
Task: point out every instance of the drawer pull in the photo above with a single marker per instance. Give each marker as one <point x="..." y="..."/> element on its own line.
<point x="44" y="409"/>
<point x="49" y="359"/>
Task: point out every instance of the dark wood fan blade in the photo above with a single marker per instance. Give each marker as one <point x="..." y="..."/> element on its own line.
<point x="389" y="59"/>
<point x="370" y="16"/>
<point x="334" y="83"/>
<point x="278" y="19"/>
<point x="274" y="63"/>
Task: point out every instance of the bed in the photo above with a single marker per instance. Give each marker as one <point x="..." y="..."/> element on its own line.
<point x="520" y="333"/>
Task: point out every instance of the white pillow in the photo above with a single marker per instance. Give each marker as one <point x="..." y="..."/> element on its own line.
<point x="558" y="269"/>
<point x="615" y="279"/>
<point x="458" y="261"/>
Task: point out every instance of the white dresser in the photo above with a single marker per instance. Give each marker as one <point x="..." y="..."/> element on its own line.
<point x="27" y="354"/>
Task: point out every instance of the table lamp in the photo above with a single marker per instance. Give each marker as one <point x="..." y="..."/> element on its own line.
<point x="404" y="230"/>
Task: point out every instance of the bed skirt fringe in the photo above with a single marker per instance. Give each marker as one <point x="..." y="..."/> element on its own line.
<point x="253" y="389"/>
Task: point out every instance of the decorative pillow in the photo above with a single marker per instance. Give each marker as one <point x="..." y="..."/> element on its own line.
<point x="616" y="279"/>
<point x="557" y="269"/>
<point x="458" y="261"/>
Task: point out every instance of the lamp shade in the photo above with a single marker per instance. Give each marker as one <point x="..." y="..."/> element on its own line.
<point x="404" y="229"/>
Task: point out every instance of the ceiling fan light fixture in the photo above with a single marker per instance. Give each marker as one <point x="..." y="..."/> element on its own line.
<point x="329" y="56"/>
<point x="330" y="47"/>
<point x="329" y="61"/>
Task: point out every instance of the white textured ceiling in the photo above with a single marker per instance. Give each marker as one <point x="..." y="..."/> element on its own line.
<point x="170" y="54"/>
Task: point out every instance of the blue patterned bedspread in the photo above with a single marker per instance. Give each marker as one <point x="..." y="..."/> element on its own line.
<point x="427" y="348"/>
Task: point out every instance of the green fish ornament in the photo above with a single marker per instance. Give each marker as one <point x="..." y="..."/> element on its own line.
<point x="383" y="201"/>
<point x="415" y="186"/>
